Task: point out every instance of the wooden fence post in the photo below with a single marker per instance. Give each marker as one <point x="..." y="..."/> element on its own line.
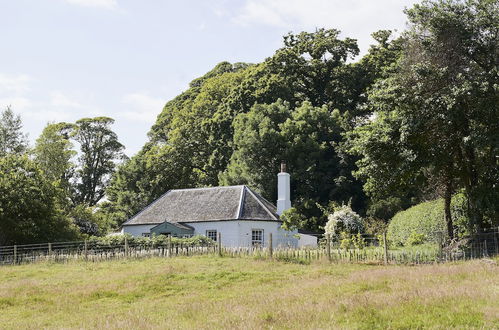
<point x="15" y="254"/>
<point x="85" y="250"/>
<point x="328" y="247"/>
<point x="219" y="243"/>
<point x="440" y="246"/>
<point x="50" y="249"/>
<point x="385" y="248"/>
<point x="495" y="240"/>
<point x="271" y="250"/>
<point x="169" y="242"/>
<point x="126" y="247"/>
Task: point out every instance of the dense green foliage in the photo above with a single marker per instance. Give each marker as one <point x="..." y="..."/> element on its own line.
<point x="29" y="205"/>
<point x="425" y="222"/>
<point x="436" y="124"/>
<point x="160" y="240"/>
<point x="238" y="122"/>
<point x="99" y="150"/>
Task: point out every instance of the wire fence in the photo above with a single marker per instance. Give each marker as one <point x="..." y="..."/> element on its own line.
<point x="371" y="249"/>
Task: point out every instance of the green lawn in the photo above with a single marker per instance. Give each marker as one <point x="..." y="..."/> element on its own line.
<point x="210" y="292"/>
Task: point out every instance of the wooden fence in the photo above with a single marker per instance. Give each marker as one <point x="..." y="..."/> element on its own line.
<point x="376" y="252"/>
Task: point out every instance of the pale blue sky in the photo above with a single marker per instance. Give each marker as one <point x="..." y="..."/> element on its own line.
<point x="61" y="60"/>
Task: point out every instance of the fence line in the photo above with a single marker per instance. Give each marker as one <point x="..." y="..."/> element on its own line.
<point x="376" y="251"/>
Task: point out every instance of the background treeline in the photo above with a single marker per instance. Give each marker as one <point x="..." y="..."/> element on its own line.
<point x="414" y="120"/>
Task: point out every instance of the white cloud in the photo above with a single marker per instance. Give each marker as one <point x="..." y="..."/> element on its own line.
<point x="105" y="4"/>
<point x="18" y="103"/>
<point x="144" y="108"/>
<point x="14" y="83"/>
<point x="58" y="99"/>
<point x="260" y="12"/>
<point x="355" y="18"/>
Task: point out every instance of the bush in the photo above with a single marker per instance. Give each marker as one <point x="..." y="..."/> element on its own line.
<point x="358" y="241"/>
<point x="197" y="240"/>
<point x="343" y="220"/>
<point x="415" y="239"/>
<point x="427" y="219"/>
<point x="374" y="226"/>
<point x="345" y="241"/>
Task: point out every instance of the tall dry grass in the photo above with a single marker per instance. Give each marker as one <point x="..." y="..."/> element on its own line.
<point x="244" y="293"/>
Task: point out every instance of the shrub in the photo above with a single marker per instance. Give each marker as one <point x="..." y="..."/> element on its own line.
<point x="345" y="241"/>
<point x="427" y="219"/>
<point x="197" y="240"/>
<point x="343" y="220"/>
<point x="415" y="239"/>
<point x="374" y="226"/>
<point x="358" y="241"/>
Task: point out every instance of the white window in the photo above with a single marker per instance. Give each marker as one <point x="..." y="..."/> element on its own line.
<point x="257" y="237"/>
<point x="212" y="234"/>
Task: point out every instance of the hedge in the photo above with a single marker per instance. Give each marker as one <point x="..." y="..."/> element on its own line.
<point x="160" y="240"/>
<point x="426" y="221"/>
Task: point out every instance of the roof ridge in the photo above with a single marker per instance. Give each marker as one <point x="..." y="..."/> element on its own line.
<point x="241" y="199"/>
<point x="147" y="207"/>
<point x="206" y="188"/>
<point x="261" y="204"/>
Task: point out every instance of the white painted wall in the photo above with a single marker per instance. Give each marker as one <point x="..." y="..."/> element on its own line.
<point x="307" y="241"/>
<point x="283" y="192"/>
<point x="137" y="230"/>
<point x="228" y="229"/>
<point x="237" y="233"/>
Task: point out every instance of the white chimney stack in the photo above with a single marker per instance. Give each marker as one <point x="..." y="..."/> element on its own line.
<point x="283" y="190"/>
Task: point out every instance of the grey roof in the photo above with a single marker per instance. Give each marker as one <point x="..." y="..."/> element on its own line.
<point x="206" y="204"/>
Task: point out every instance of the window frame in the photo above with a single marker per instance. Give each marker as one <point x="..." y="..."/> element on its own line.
<point x="211" y="231"/>
<point x="257" y="242"/>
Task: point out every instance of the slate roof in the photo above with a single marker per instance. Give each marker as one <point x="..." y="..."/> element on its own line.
<point x="206" y="204"/>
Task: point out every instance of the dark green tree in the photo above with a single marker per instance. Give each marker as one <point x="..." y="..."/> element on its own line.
<point x="99" y="152"/>
<point x="436" y="115"/>
<point x="12" y="139"/>
<point x="54" y="152"/>
<point x="29" y="205"/>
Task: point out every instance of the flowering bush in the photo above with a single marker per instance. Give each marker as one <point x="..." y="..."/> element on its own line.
<point x="343" y="220"/>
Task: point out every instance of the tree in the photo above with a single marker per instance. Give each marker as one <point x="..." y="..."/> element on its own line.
<point x="29" y="209"/>
<point x="100" y="149"/>
<point x="314" y="66"/>
<point x="12" y="140"/>
<point x="53" y="152"/>
<point x="304" y="137"/>
<point x="436" y="115"/>
<point x="199" y="139"/>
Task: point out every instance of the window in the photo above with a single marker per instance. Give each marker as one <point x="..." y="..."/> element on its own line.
<point x="146" y="234"/>
<point x="257" y="237"/>
<point x="212" y="234"/>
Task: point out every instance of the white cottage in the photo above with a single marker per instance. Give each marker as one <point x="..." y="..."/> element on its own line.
<point x="240" y="215"/>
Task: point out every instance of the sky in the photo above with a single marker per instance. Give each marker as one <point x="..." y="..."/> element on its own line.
<point x="62" y="60"/>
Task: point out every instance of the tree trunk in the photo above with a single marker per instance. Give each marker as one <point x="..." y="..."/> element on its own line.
<point x="447" y="205"/>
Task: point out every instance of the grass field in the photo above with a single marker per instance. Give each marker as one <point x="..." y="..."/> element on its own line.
<point x="210" y="292"/>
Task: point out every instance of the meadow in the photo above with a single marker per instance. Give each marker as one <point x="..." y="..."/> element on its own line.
<point x="248" y="293"/>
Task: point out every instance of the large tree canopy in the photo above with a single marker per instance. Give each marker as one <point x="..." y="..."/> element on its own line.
<point x="236" y="123"/>
<point x="29" y="208"/>
<point x="436" y="118"/>
<point x="100" y="149"/>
